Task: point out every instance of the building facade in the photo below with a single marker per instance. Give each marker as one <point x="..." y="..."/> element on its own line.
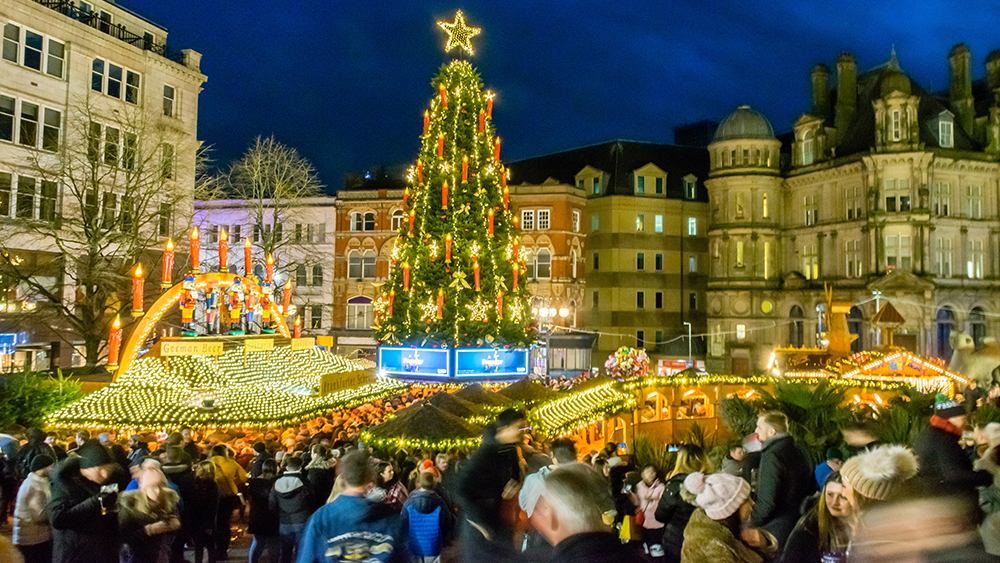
<point x="91" y="63"/>
<point x="883" y="190"/>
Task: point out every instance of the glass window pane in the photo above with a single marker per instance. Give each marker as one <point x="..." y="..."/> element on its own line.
<point x="97" y="76"/>
<point x="114" y="81"/>
<point x="50" y="134"/>
<point x="33" y="50"/>
<point x="132" y="88"/>
<point x="54" y="66"/>
<point x="6" y="118"/>
<point x="28" y="134"/>
<point x="11" y="42"/>
<point x="6" y="182"/>
<point x="25" y="197"/>
<point x="111" y="146"/>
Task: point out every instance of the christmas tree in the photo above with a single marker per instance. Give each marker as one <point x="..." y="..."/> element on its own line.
<point x="457" y="269"/>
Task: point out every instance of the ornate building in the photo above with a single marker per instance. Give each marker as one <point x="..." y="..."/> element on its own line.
<point x="883" y="190"/>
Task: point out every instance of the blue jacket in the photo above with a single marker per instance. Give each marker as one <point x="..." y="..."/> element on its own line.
<point x="429" y="521"/>
<point x="352" y="528"/>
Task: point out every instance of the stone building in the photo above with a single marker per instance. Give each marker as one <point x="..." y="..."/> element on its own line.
<point x="883" y="190"/>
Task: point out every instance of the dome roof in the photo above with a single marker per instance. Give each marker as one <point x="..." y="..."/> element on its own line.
<point x="744" y="123"/>
<point x="895" y="80"/>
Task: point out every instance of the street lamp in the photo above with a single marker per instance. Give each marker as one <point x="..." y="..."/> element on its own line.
<point x="690" y="363"/>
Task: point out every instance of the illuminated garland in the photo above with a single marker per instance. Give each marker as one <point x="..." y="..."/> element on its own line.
<point x="564" y="415"/>
<point x="806" y="378"/>
<point x="409" y="443"/>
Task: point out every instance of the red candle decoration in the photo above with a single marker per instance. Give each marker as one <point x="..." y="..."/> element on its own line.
<point x="440" y="145"/>
<point x="514" y="254"/>
<point x="516" y="221"/>
<point x="491" y="223"/>
<point x="515" y="276"/>
<point x="223" y="250"/>
<point x="270" y="269"/>
<point x="489" y="104"/>
<point x="444" y="96"/>
<point x="444" y="195"/>
<point x="406" y="275"/>
<point x="496" y="150"/>
<point x="168" y="265"/>
<point x="482" y="121"/>
<point x="506" y="197"/>
<point x="440" y="303"/>
<point x="115" y="342"/>
<point x="420" y="172"/>
<point x="137" y="284"/>
<point x="500" y="304"/>
<point x="475" y="271"/>
<point x="447" y="248"/>
<point x="298" y="327"/>
<point x="392" y="297"/>
<point x="406" y="197"/>
<point x="247" y="257"/>
<point x="286" y="300"/>
<point x="465" y="168"/>
<point x="195" y="249"/>
<point x="413" y="215"/>
<point x="427" y="122"/>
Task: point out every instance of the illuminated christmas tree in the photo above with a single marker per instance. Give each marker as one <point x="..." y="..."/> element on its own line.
<point x="457" y="266"/>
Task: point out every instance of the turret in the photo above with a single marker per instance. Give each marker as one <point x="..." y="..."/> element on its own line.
<point x="847" y="92"/>
<point x="960" y="86"/>
<point x="821" y="91"/>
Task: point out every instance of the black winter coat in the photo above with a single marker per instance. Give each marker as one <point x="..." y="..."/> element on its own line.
<point x="674" y="512"/>
<point x="262" y="520"/>
<point x="321" y="481"/>
<point x="80" y="533"/>
<point x="291" y="499"/>
<point x="593" y="547"/>
<point x="480" y="487"/>
<point x="784" y="480"/>
<point x="944" y="466"/>
<point x="204" y="496"/>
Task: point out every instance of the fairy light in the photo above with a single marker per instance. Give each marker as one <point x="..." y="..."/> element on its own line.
<point x="459" y="34"/>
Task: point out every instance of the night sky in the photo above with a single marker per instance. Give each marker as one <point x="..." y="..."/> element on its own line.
<point x="346" y="82"/>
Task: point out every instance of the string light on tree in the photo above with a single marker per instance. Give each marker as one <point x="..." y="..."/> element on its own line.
<point x="459" y="34"/>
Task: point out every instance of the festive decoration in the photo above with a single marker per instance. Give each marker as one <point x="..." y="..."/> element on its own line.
<point x="286" y="299"/>
<point x="223" y="250"/>
<point x="447" y="248"/>
<point x="500" y="304"/>
<point x="420" y="172"/>
<point x="115" y="342"/>
<point x="506" y="197"/>
<point x="491" y="222"/>
<point x="297" y="333"/>
<point x="413" y="216"/>
<point x="489" y="104"/>
<point x="195" y="250"/>
<point x="168" y="265"/>
<point x="516" y="268"/>
<point x="247" y="257"/>
<point x="440" y="145"/>
<point x="269" y="268"/>
<point x="444" y="195"/>
<point x="496" y="151"/>
<point x="406" y="197"/>
<point x="444" y="96"/>
<point x="440" y="304"/>
<point x="392" y="298"/>
<point x="482" y="121"/>
<point x="579" y="409"/>
<point x="459" y="34"/>
<point x="137" y="285"/>
<point x="406" y="276"/>
<point x="427" y="124"/>
<point x="465" y="169"/>
<point x="627" y="363"/>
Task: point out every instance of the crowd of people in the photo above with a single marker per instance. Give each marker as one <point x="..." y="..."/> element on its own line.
<point x="313" y="494"/>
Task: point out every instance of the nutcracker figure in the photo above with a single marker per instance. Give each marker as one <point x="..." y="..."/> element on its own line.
<point x="266" y="291"/>
<point x="235" y="301"/>
<point x="187" y="303"/>
<point x="212" y="309"/>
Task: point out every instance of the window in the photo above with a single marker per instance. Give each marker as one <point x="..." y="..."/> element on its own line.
<point x="640" y="299"/>
<point x="543" y="265"/>
<point x="692" y="226"/>
<point x="595" y="223"/>
<point x="28" y="130"/>
<point x="690" y="188"/>
<point x="975" y="261"/>
<point x="6" y="189"/>
<point x="576" y="221"/>
<point x="942" y="199"/>
<point x="767" y="259"/>
<point x="897" y="252"/>
<point x="94" y="142"/>
<point x="108" y="78"/>
<point x="130" y="149"/>
<point x="810" y="262"/>
<point x="360" y="313"/>
<point x="316" y="316"/>
<point x="357" y="222"/>
<point x="640" y="223"/>
<point x="692" y="301"/>
<point x="111" y="140"/>
<point x="368" y="266"/>
<point x="55" y="59"/>
<point x="741" y="332"/>
<point x="90" y="207"/>
<point x="640" y="261"/>
<point x="50" y="130"/>
<point x="740" y="204"/>
<point x="658" y="223"/>
<point x="897" y="125"/>
<point x="131" y="87"/>
<point x="739" y="254"/>
<point x="168" y="100"/>
<point x="853" y="202"/>
<point x="596" y="261"/>
<point x="659" y="185"/>
<point x="640" y="338"/>
<point x="594" y="299"/>
<point x="945" y="134"/>
<point x="807" y="148"/>
<point x="25" y="198"/>
<point x="852" y="254"/>
<point x="943" y="255"/>
<point x="298" y="233"/>
<point x="763" y="204"/>
<point x="11" y="42"/>
<point x="167" y="162"/>
<point x="165" y="219"/>
<point x="30" y="50"/>
<point x="527" y="220"/>
<point x="300" y="277"/>
<point x="659" y="263"/>
<point x="659" y="299"/>
<point x="897" y="195"/>
<point x="354" y="270"/>
<point x="809" y="206"/>
<point x="572" y="263"/>
<point x="974" y="202"/>
<point x="597" y="186"/>
<point x="397" y="219"/>
<point x="693" y="264"/>
<point x="543" y="219"/>
<point x="8" y="106"/>
<point x="104" y="22"/>
<point x="640" y="184"/>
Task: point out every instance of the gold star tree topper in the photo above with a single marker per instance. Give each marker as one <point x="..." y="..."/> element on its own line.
<point x="459" y="34"/>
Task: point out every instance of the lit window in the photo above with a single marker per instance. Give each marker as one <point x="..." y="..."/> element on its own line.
<point x="739" y="254"/>
<point x="690" y="188"/>
<point x="764" y="206"/>
<point x="595" y="223"/>
<point x="168" y="100"/>
<point x="597" y="186"/>
<point x="397" y="219"/>
<point x="527" y="220"/>
<point x="640" y="223"/>
<point x="741" y="331"/>
<point x="640" y="184"/>
<point x="543" y="265"/>
<point x="975" y="261"/>
<point x="543" y="219"/>
<point x="739" y="205"/>
<point x="692" y="226"/>
<point x="576" y="221"/>
<point x="316" y="316"/>
<point x="658" y="223"/>
<point x="693" y="264"/>
<point x="360" y="313"/>
<point x="807" y="148"/>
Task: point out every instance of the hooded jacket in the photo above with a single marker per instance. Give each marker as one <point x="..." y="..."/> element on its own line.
<point x="292" y="500"/>
<point x="31" y="515"/>
<point x="674" y="512"/>
<point x="80" y="532"/>
<point x="424" y="530"/>
<point x="355" y="529"/>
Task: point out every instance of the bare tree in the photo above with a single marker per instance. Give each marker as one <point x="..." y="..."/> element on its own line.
<point x="109" y="196"/>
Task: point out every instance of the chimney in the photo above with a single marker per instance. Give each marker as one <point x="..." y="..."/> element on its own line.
<point x="821" y="91"/>
<point x="993" y="69"/>
<point x="960" y="86"/>
<point x="847" y="92"/>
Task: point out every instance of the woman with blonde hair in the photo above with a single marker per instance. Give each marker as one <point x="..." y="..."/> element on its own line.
<point x="824" y="531"/>
<point x="147" y="517"/>
<point x="673" y="510"/>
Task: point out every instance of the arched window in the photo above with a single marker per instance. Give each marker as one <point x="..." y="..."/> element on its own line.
<point x="354" y="270"/>
<point x="854" y="322"/>
<point x="764" y="205"/>
<point x="543" y="268"/>
<point x="977" y="325"/>
<point x="945" y="324"/>
<point x="370" y="221"/>
<point x="572" y="312"/>
<point x="368" y="261"/>
<point x="397" y="219"/>
<point x="317" y="275"/>
<point x="572" y="262"/>
<point x="807" y="148"/>
<point x="795" y="327"/>
<point x="822" y="323"/>
<point x="300" y="276"/>
<point x="360" y="313"/>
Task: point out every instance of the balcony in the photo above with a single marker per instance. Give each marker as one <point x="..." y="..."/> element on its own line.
<point x="93" y="19"/>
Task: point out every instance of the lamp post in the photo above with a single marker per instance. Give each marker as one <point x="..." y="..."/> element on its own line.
<point x="546" y="316"/>
<point x="690" y="363"/>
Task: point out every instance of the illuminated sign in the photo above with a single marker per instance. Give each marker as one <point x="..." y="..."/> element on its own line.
<point x="302" y="343"/>
<point x="489" y="362"/>
<point x="259" y="344"/>
<point x="187" y="348"/>
<point x="414" y="362"/>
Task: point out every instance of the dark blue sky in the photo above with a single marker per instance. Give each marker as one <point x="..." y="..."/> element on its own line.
<point x="346" y="81"/>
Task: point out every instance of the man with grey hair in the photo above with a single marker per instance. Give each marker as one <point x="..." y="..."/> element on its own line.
<point x="570" y="513"/>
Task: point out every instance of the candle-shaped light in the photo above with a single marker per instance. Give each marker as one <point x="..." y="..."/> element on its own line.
<point x="500" y="304"/>
<point x="465" y="168"/>
<point x="440" y="145"/>
<point x="269" y="269"/>
<point x="286" y="299"/>
<point x="413" y="215"/>
<point x="392" y="297"/>
<point x="298" y="327"/>
<point x="489" y="104"/>
<point x="115" y="342"/>
<point x="516" y="221"/>
<point x="506" y="197"/>
<point x="195" y="250"/>
<point x="444" y="96"/>
<point x="247" y="257"/>
<point x="496" y="150"/>
<point x="482" y="121"/>
<point x="475" y="270"/>
<point x="516" y="268"/>
<point x="444" y="195"/>
<point x="406" y="197"/>
<point x="427" y="121"/>
<point x="447" y="248"/>
<point x="515" y="255"/>
<point x="491" y="222"/>
<point x="406" y="275"/>
<point x="420" y="172"/>
<point x="223" y="250"/>
<point x="440" y="303"/>
<point x="137" y="285"/>
<point x="168" y="265"/>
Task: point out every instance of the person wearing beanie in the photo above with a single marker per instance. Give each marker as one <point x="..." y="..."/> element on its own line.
<point x="877" y="475"/>
<point x="259" y="457"/>
<point x="35" y="446"/>
<point x="944" y="466"/>
<point x="717" y="530"/>
<point x="83" y="514"/>
<point x="31" y="519"/>
<point x="834" y="461"/>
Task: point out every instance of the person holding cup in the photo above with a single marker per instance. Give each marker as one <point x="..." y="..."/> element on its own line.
<point x="83" y="508"/>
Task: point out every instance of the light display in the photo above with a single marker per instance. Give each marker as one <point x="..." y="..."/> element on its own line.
<point x="580" y="408"/>
<point x="627" y="363"/>
<point x="168" y="265"/>
<point x="490" y="362"/>
<point x="459" y="34"/>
